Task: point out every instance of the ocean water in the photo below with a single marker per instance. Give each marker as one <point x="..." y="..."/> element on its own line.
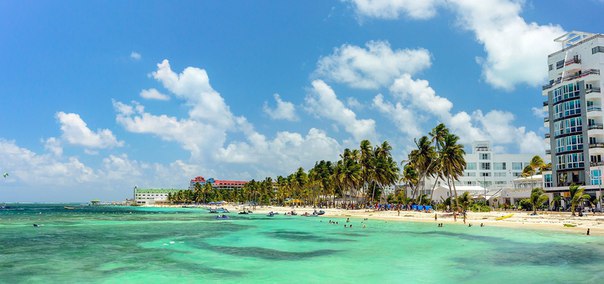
<point x="149" y="245"/>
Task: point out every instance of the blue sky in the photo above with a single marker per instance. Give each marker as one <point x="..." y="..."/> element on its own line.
<point x="100" y="96"/>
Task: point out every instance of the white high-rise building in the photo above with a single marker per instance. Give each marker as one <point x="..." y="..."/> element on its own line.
<point x="487" y="169"/>
<point x="492" y="170"/>
<point x="575" y="117"/>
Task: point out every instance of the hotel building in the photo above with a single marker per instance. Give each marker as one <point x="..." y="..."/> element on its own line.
<point x="486" y="171"/>
<point x="152" y="196"/>
<point x="574" y="114"/>
<point x="216" y="183"/>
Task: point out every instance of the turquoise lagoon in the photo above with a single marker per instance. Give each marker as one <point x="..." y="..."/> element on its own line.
<point x="149" y="245"/>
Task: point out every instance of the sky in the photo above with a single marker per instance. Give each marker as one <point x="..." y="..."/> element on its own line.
<point x="100" y="96"/>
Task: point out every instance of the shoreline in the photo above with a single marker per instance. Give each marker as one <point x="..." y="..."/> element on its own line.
<point x="544" y="221"/>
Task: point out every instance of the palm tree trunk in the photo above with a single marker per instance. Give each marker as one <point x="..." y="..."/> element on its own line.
<point x="456" y="201"/>
<point x="433" y="187"/>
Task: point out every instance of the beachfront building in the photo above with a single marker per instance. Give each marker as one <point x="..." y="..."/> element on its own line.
<point x="492" y="170"/>
<point x="487" y="173"/>
<point x="147" y="196"/>
<point x="216" y="183"/>
<point x="574" y="114"/>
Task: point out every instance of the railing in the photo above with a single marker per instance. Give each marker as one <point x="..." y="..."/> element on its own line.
<point x="596" y="126"/>
<point x="595" y="164"/>
<point x="592" y="90"/>
<point x="572" y="61"/>
<point x="572" y="77"/>
<point x="593" y="108"/>
<point x="545" y="103"/>
<point x="596" y="145"/>
<point x="548" y="152"/>
<point x="547" y="135"/>
<point x="546" y="119"/>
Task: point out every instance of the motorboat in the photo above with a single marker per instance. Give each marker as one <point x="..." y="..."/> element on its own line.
<point x="321" y="212"/>
<point x="222" y="217"/>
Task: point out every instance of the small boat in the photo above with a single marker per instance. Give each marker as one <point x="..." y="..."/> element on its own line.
<point x="69" y="207"/>
<point x="222" y="217"/>
<point x="213" y="211"/>
<point x="243" y="212"/>
<point x="321" y="212"/>
<point x="270" y="214"/>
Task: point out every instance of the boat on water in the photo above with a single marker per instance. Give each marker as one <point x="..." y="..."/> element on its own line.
<point x="320" y="212"/>
<point x="245" y="212"/>
<point x="213" y="211"/>
<point x="271" y="214"/>
<point x="222" y="217"/>
<point x="69" y="207"/>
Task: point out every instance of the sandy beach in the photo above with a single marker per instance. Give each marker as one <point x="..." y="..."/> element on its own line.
<point x="520" y="219"/>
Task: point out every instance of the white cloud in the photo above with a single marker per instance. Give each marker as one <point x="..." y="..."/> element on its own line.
<point x="323" y="102"/>
<point x="53" y="145"/>
<point x="404" y="119"/>
<point x="539" y="112"/>
<point x="353" y="103"/>
<point x="286" y="152"/>
<point x="192" y="135"/>
<point x="284" y="110"/>
<point x="135" y="56"/>
<point x="421" y="95"/>
<point x="372" y="67"/>
<point x="193" y="85"/>
<point x="516" y="50"/>
<point x="76" y="132"/>
<point x="41" y="170"/>
<point x="392" y="9"/>
<point x="153" y="94"/>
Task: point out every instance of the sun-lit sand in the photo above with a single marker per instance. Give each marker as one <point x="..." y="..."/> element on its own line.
<point x="520" y="219"/>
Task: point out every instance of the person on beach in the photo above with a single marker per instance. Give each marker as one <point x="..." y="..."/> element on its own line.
<point x="455" y="216"/>
<point x="588" y="231"/>
<point x="435" y="217"/>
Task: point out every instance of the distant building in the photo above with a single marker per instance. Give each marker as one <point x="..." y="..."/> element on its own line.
<point x="216" y="183"/>
<point x="152" y="196"/>
<point x="574" y="114"/>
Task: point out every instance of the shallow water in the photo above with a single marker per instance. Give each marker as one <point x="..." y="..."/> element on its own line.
<point x="129" y="244"/>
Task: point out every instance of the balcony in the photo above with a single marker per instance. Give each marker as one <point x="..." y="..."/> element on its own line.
<point x="581" y="74"/>
<point x="547" y="135"/>
<point x="596" y="145"/>
<point x="595" y="126"/>
<point x="548" y="152"/>
<point x="596" y="164"/>
<point x="546" y="119"/>
<point x="545" y="103"/>
<point x="592" y="90"/>
<point x="573" y="60"/>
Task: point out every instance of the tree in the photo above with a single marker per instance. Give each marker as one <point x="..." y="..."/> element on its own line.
<point x="438" y="134"/>
<point x="556" y="202"/>
<point x="576" y="196"/>
<point x="465" y="200"/>
<point x="452" y="161"/>
<point x="538" y="197"/>
<point x="422" y="158"/>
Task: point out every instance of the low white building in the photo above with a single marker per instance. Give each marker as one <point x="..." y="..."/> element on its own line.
<point x="151" y="196"/>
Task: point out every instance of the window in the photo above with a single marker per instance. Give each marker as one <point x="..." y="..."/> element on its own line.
<point x="485" y="166"/>
<point x="499" y="166"/>
<point x="500" y="182"/>
<point x="596" y="177"/>
<point x="597" y="49"/>
<point x="485" y="174"/>
<point x="500" y="174"/>
<point x="517" y="174"/>
<point x="547" y="179"/>
<point x="551" y="67"/>
<point x="470" y="174"/>
<point x="470" y="166"/>
<point x="517" y="166"/>
<point x="560" y="64"/>
<point x="485" y="156"/>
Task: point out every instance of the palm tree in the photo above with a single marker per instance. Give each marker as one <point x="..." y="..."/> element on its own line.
<point x="465" y="200"/>
<point x="537" y="164"/>
<point x="438" y="134"/>
<point x="576" y="196"/>
<point x="452" y="161"/>
<point x="556" y="202"/>
<point x="367" y="162"/>
<point x="538" y="197"/>
<point x="422" y="159"/>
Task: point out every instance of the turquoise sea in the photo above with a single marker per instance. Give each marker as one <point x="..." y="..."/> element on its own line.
<point x="149" y="245"/>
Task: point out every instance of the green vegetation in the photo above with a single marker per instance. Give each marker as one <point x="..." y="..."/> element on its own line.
<point x="357" y="179"/>
<point x="538" y="197"/>
<point x="576" y="196"/>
